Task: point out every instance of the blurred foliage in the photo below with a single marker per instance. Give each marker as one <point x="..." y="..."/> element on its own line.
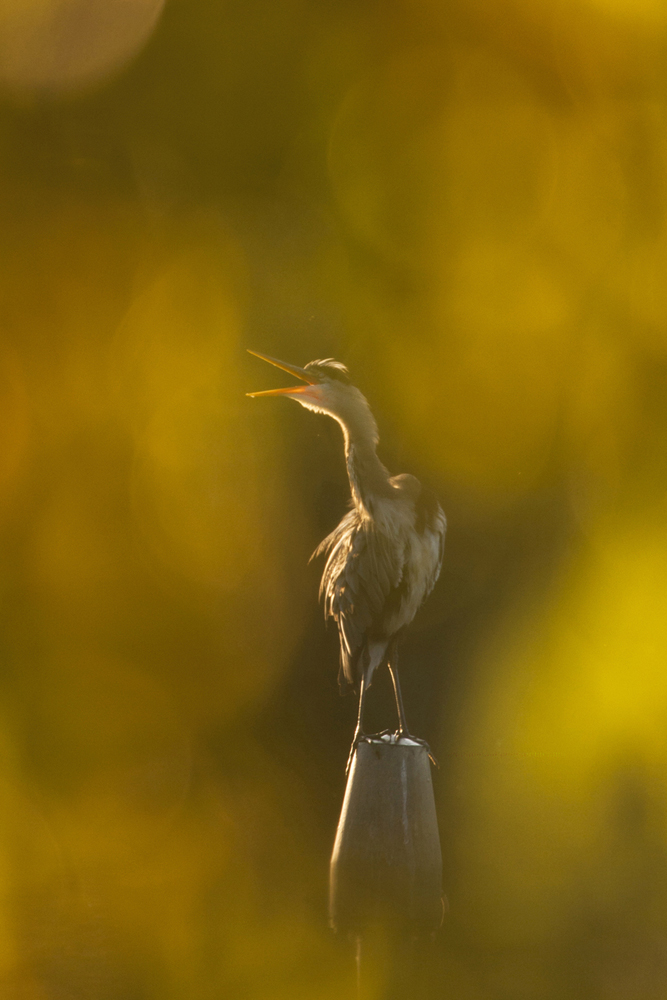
<point x="467" y="203"/>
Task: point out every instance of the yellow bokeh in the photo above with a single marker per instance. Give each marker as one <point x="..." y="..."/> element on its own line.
<point x="466" y="204"/>
<point x="58" y="45"/>
<point x="651" y="12"/>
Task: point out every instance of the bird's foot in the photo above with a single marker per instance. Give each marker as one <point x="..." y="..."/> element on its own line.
<point x="403" y="734"/>
<point x="361" y="737"/>
<point x="356" y="740"/>
<point x="395" y="736"/>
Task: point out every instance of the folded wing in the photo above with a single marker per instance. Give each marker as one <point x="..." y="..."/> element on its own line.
<point x="361" y="579"/>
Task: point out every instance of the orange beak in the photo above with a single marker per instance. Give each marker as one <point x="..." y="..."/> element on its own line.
<point x="292" y="369"/>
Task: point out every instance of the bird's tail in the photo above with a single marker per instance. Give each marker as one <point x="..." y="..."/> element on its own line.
<point x="377" y="651"/>
<point x="371" y="656"/>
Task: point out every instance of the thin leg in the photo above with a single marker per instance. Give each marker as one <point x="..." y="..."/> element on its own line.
<point x="392" y="663"/>
<point x="359" y="731"/>
<point x="403" y="730"/>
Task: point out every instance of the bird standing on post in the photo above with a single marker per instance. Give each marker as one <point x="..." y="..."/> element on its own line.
<point x="385" y="555"/>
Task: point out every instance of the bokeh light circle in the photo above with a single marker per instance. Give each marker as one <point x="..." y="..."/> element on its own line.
<point x="59" y="45"/>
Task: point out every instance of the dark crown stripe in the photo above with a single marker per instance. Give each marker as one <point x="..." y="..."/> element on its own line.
<point x="328" y="368"/>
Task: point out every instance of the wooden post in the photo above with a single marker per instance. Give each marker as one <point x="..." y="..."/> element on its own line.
<point x="386" y="866"/>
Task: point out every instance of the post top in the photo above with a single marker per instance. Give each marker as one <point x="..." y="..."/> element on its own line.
<point x="391" y="739"/>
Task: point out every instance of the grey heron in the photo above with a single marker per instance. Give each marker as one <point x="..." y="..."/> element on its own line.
<point x="384" y="557"/>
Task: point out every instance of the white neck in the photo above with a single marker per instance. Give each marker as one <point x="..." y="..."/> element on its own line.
<point x="368" y="477"/>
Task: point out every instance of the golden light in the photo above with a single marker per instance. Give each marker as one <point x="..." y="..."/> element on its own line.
<point x="57" y="45"/>
<point x="651" y="13"/>
<point x="467" y="204"/>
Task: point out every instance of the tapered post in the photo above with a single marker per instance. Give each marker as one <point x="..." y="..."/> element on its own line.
<point x="386" y="866"/>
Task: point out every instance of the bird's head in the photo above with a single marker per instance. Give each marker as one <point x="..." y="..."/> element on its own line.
<point x="328" y="390"/>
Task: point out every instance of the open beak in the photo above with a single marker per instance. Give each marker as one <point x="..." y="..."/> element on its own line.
<point x="292" y="369"/>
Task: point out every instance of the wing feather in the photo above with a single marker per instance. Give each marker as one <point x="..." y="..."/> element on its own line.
<point x="361" y="571"/>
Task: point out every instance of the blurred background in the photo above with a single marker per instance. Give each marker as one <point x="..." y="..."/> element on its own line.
<point x="466" y="202"/>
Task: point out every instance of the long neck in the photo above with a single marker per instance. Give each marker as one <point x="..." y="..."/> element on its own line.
<point x="368" y="477"/>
